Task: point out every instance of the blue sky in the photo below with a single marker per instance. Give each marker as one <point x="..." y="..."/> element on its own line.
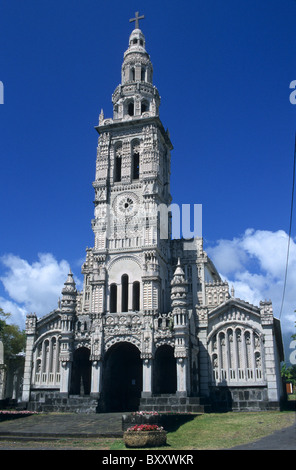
<point x="223" y="70"/>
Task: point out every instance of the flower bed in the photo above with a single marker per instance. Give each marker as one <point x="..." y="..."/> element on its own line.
<point x="145" y="435"/>
<point x="145" y="427"/>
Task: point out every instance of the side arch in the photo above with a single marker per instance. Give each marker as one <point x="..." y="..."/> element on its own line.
<point x="165" y="370"/>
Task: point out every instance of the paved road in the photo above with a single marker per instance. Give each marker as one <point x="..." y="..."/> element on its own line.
<point x="284" y="439"/>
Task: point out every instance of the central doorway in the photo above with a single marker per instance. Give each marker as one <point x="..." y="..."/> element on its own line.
<point x="122" y="378"/>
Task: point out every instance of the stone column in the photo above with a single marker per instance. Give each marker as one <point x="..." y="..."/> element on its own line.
<point x="147" y="377"/>
<point x="179" y="288"/>
<point x="96" y="354"/>
<point x="244" y="354"/>
<point x="96" y="378"/>
<point x="68" y="306"/>
<point x="272" y="372"/>
<point x="202" y="316"/>
<point x="66" y="367"/>
<point x="119" y="294"/>
<point x="31" y="322"/>
<point x="270" y="368"/>
<point x="182" y="365"/>
<point x="147" y="351"/>
<point x="130" y="296"/>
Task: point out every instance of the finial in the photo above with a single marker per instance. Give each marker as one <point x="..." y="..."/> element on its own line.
<point x="70" y="279"/>
<point x="136" y="19"/>
<point x="101" y="116"/>
<point x="179" y="271"/>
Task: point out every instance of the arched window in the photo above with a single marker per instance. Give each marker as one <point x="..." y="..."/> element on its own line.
<point x="130" y="108"/>
<point x="144" y="107"/>
<point x="165" y="372"/>
<point x="136" y="296"/>
<point x="45" y="355"/>
<point x="124" y="293"/>
<point x="143" y="73"/>
<point x="135" y="160"/>
<point x="136" y="166"/>
<point x="133" y="74"/>
<point x="117" y="162"/>
<point x="117" y="176"/>
<point x="236" y="355"/>
<point x="113" y="298"/>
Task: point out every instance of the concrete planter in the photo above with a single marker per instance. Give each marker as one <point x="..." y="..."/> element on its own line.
<point x="145" y="438"/>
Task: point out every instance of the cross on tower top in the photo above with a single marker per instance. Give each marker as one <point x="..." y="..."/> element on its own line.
<point x="136" y="19"/>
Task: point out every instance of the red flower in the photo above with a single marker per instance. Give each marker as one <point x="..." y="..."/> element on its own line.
<point x="145" y="427"/>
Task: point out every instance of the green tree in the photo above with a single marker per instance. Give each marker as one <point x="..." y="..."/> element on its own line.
<point x="289" y="373"/>
<point x="13" y="338"/>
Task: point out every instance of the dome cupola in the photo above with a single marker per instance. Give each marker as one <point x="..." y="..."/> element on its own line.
<point x="136" y="97"/>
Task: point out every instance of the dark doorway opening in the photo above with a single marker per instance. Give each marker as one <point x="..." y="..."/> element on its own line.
<point x="122" y="378"/>
<point x="81" y="372"/>
<point x="165" y="372"/>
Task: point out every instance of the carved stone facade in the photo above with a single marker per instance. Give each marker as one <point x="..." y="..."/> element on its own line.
<point x="154" y="319"/>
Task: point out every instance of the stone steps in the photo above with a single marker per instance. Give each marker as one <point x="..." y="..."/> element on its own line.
<point x="171" y="403"/>
<point x="53" y="402"/>
<point x="47" y="402"/>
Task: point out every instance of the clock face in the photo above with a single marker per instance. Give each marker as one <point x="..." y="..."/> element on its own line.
<point x="126" y="205"/>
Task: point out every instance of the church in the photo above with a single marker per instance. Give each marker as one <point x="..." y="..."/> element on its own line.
<point x="155" y="327"/>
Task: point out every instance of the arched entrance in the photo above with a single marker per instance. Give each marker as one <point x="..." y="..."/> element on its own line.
<point x="165" y="372"/>
<point x="122" y="378"/>
<point x="81" y="372"/>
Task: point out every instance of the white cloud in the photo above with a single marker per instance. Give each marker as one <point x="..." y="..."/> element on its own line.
<point x="229" y="255"/>
<point x="18" y="314"/>
<point x="270" y="248"/>
<point x="255" y="265"/>
<point x="32" y="287"/>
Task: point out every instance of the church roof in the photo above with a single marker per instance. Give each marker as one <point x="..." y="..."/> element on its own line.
<point x="234" y="302"/>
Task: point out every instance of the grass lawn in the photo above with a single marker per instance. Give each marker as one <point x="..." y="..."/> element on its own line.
<point x="209" y="431"/>
<point x="226" y="430"/>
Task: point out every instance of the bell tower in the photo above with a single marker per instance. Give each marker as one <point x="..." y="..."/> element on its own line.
<point x="132" y="182"/>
